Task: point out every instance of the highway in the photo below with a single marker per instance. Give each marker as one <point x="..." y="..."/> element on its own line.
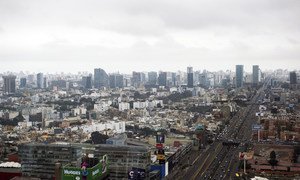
<point x="221" y="162"/>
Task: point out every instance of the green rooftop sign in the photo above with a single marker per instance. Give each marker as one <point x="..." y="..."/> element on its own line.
<point x="93" y="173"/>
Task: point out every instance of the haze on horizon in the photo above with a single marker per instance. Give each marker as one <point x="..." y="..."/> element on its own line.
<point x="118" y="35"/>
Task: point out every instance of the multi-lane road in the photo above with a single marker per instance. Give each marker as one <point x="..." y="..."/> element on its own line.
<point x="221" y="162"/>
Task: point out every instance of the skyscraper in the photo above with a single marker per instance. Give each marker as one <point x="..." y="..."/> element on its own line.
<point x="173" y="76"/>
<point x="9" y="84"/>
<point x="190" y="77"/>
<point x="112" y="80"/>
<point x="119" y="81"/>
<point x="23" y="82"/>
<point x="45" y="84"/>
<point x="293" y="77"/>
<point x="255" y="75"/>
<point x="87" y="82"/>
<point x="100" y="78"/>
<point x="136" y="79"/>
<point x="239" y="75"/>
<point x="162" y="79"/>
<point x="152" y="78"/>
<point x="116" y="81"/>
<point x="40" y="80"/>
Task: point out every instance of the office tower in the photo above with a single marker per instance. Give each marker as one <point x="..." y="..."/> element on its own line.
<point x="174" y="83"/>
<point x="9" y="84"/>
<point x="162" y="79"/>
<point x="239" y="75"/>
<point x="143" y="78"/>
<point x="30" y="79"/>
<point x="112" y="81"/>
<point x="255" y="75"/>
<point x="202" y="79"/>
<point x="87" y="82"/>
<point x="40" y="80"/>
<point x="196" y="77"/>
<point x="23" y="82"/>
<point x="293" y="77"/>
<point x="100" y="78"/>
<point x="116" y="81"/>
<point x="190" y="77"/>
<point x="178" y="80"/>
<point x="136" y="79"/>
<point x="45" y="83"/>
<point x="119" y="81"/>
<point x="152" y="78"/>
<point x="38" y="160"/>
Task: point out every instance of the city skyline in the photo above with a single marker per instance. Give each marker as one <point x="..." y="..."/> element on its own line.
<point x="247" y="70"/>
<point x="49" y="37"/>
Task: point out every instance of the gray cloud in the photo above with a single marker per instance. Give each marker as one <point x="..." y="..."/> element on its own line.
<point x="137" y="34"/>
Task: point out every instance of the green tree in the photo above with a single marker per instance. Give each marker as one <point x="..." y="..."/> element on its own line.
<point x="273" y="160"/>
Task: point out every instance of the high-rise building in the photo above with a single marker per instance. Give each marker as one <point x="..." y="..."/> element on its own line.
<point x="40" y="80"/>
<point x="31" y="79"/>
<point x="136" y="79"/>
<point x="143" y="78"/>
<point x="255" y="75"/>
<point x="9" y="84"/>
<point x="45" y="84"/>
<point x="87" y="82"/>
<point x="162" y="79"/>
<point x="293" y="77"/>
<point x="112" y="81"/>
<point x="190" y="77"/>
<point x="152" y="78"/>
<point x="116" y="81"/>
<point x="23" y="82"/>
<point x="173" y="76"/>
<point x="100" y="78"/>
<point x="239" y="75"/>
<point x="119" y="81"/>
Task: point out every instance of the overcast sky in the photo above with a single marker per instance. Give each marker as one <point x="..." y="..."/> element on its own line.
<point x="143" y="35"/>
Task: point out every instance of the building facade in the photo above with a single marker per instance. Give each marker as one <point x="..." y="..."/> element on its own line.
<point x="239" y="76"/>
<point x="9" y="84"/>
<point x="255" y="75"/>
<point x="152" y="78"/>
<point x="190" y="77"/>
<point x="100" y="78"/>
<point x="38" y="160"/>
<point x="124" y="158"/>
<point x="293" y="77"/>
<point x="162" y="79"/>
<point x="40" y="80"/>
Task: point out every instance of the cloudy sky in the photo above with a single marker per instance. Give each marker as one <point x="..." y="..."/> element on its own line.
<point x="143" y="35"/>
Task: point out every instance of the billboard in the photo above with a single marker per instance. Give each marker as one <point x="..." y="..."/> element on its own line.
<point x="137" y="173"/>
<point x="93" y="173"/>
<point x="160" y="138"/>
<point x="159" y="146"/>
<point x="256" y="127"/>
<point x="246" y="155"/>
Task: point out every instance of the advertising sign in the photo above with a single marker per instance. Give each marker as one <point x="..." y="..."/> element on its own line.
<point x="256" y="127"/>
<point x="161" y="157"/>
<point x="93" y="173"/>
<point x="160" y="138"/>
<point x="159" y="146"/>
<point x="137" y="173"/>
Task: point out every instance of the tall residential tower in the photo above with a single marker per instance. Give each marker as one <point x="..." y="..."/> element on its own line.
<point x="239" y="75"/>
